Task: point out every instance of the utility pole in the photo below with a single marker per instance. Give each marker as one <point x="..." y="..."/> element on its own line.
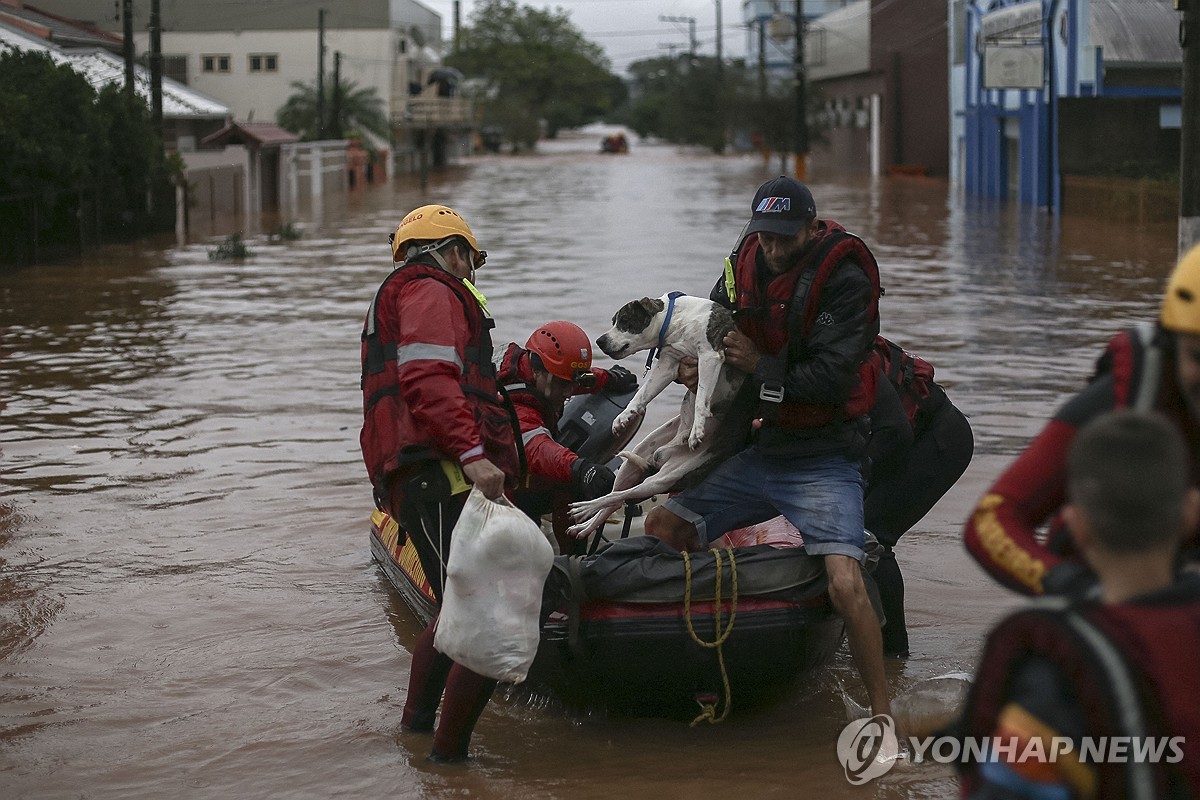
<point x="1189" y="127"/>
<point x="762" y="60"/>
<point x="720" y="57"/>
<point x="321" y="74"/>
<point x="457" y="23"/>
<point x="720" y="88"/>
<point x="156" y="68"/>
<point x="335" y="116"/>
<point x="691" y="21"/>
<point x="127" y="45"/>
<point x="801" y="165"/>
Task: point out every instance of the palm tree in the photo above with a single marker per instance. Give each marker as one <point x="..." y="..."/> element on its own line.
<point x="347" y="109"/>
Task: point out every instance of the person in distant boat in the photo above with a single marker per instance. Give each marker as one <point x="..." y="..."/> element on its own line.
<point x="805" y="295"/>
<point x="614" y="143"/>
<point x="555" y="364"/>
<point x="1146" y="367"/>
<point x="1114" y="669"/>
<point x="433" y="423"/>
<point x="920" y="446"/>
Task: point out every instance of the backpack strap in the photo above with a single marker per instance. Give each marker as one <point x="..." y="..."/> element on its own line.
<point x="1146" y="391"/>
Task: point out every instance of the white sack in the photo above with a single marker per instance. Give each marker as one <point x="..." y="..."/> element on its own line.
<point x="498" y="562"/>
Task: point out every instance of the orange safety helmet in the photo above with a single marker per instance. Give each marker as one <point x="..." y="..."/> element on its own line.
<point x="435" y="224"/>
<point x="563" y="349"/>
<point x="1181" y="303"/>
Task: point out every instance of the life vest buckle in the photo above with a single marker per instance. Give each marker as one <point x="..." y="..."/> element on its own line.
<point x="771" y="392"/>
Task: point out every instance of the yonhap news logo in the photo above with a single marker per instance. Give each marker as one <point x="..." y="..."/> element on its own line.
<point x="869" y="748"/>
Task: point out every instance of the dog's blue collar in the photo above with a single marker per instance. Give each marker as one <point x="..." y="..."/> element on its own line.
<point x="662" y="332"/>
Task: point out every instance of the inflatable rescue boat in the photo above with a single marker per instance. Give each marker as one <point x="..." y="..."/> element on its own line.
<point x="638" y="627"/>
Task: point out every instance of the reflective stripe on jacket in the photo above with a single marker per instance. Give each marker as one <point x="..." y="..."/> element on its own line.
<point x="429" y="387"/>
<point x="539" y="425"/>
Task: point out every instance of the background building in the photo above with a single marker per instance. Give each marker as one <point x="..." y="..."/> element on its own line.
<point x="878" y="68"/>
<point x="249" y="55"/>
<point x="1047" y="93"/>
<point x="187" y="114"/>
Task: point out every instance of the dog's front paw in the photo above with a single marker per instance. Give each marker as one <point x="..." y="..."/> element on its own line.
<point x="580" y="531"/>
<point x="587" y="516"/>
<point x="624" y="420"/>
<point x="582" y="510"/>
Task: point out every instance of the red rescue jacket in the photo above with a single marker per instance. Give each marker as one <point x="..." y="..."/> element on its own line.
<point x="1131" y="669"/>
<point x="539" y="424"/>
<point x="791" y="303"/>
<point x="1002" y="533"/>
<point x="428" y="383"/>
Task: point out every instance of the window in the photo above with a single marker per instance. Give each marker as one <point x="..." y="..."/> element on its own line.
<point x="814" y="46"/>
<point x="214" y="63"/>
<point x="175" y="68"/>
<point x="264" y="62"/>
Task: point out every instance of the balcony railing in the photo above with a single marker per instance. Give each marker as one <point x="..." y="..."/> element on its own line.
<point x="434" y="112"/>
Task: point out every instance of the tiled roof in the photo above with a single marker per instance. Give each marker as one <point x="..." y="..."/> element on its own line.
<point x="255" y="133"/>
<point x="101" y="68"/>
<point x="60" y="30"/>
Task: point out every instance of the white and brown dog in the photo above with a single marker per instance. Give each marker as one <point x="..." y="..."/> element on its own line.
<point x="671" y="327"/>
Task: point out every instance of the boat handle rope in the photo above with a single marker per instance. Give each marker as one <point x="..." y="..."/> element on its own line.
<point x="709" y="710"/>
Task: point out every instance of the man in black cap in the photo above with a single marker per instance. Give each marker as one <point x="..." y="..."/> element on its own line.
<point x="805" y="295"/>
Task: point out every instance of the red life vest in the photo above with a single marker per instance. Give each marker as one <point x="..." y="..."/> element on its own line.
<point x="913" y="378"/>
<point x="515" y="374"/>
<point x="390" y="436"/>
<point x="790" y="302"/>
<point x="1132" y="670"/>
<point x="1135" y="360"/>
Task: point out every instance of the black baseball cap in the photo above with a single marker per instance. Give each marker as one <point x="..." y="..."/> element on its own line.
<point x="782" y="205"/>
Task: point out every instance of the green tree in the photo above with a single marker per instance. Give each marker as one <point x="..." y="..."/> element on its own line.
<point x="685" y="99"/>
<point x="76" y="163"/>
<point x="126" y="154"/>
<point x="688" y="100"/>
<point x="533" y="66"/>
<point x="49" y="114"/>
<point x="349" y="110"/>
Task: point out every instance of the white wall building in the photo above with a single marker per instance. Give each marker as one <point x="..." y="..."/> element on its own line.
<point x="249" y="54"/>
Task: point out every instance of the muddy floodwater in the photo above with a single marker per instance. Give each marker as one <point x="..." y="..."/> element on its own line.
<point x="188" y="606"/>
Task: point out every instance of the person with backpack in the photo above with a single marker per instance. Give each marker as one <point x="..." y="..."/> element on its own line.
<point x="1146" y="367"/>
<point x="920" y="446"/>
<point x="1112" y="674"/>
<point x="804" y="293"/>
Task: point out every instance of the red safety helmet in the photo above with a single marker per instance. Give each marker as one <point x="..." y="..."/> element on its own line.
<point x="563" y="350"/>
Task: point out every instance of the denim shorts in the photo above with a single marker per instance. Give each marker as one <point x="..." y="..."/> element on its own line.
<point x="821" y="495"/>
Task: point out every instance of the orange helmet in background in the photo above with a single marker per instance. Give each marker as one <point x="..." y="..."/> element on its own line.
<point x="1181" y="303"/>
<point x="563" y="349"/>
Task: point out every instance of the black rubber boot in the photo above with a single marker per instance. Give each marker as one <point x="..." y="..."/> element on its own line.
<point x="427" y="679"/>
<point x="891" y="592"/>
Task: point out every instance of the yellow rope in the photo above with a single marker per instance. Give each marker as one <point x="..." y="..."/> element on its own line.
<point x="720" y="633"/>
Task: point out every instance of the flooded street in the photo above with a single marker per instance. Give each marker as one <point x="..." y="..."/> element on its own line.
<point x="188" y="605"/>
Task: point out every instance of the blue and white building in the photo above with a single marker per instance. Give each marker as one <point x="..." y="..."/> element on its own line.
<point x="1021" y="71"/>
